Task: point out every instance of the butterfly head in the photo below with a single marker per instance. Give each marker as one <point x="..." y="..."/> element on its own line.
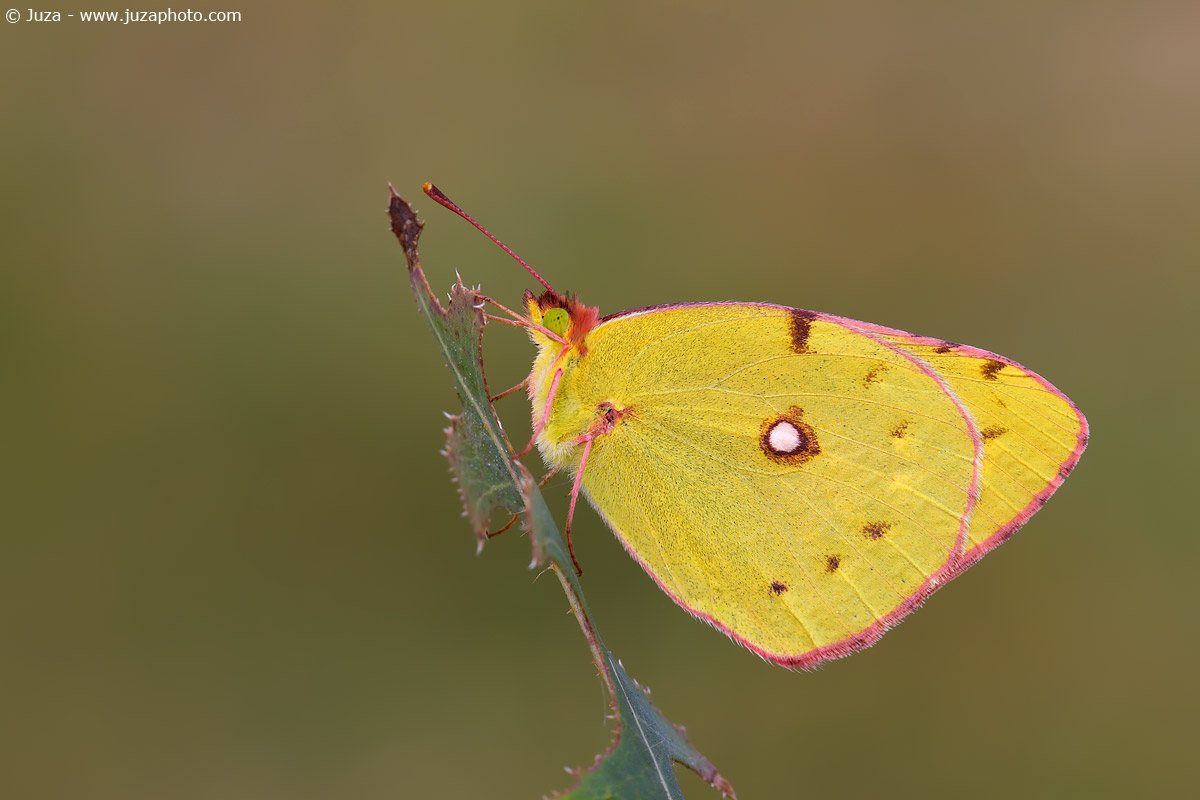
<point x="563" y="316"/>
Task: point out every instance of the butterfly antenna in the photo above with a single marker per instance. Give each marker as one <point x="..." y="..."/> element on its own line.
<point x="441" y="199"/>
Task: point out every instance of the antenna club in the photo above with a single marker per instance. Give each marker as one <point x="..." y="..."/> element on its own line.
<point x="434" y="192"/>
<point x="441" y="199"/>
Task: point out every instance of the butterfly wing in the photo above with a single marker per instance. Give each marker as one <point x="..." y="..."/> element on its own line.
<point x="799" y="482"/>
<point x="1033" y="435"/>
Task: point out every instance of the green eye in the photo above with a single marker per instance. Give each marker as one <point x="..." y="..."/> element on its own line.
<point x="557" y="320"/>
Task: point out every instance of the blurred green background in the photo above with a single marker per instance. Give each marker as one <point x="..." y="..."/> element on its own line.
<point x="231" y="559"/>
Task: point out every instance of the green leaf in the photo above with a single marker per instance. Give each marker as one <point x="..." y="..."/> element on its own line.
<point x="638" y="763"/>
<point x="476" y="447"/>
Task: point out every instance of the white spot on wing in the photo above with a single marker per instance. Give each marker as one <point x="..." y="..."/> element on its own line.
<point x="784" y="438"/>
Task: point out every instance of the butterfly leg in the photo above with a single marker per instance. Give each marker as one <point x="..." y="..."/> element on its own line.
<point x="537" y="431"/>
<point x="587" y="448"/>
<point x="507" y="392"/>
<point x="518" y="320"/>
<point x="605" y="422"/>
<point x="504" y="308"/>
<point x="541" y="485"/>
<point x="546" y="478"/>
<point x="507" y="525"/>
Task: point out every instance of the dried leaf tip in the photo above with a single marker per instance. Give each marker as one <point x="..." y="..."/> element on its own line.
<point x="405" y="225"/>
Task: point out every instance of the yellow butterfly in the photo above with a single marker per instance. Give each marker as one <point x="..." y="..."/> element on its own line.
<point x="798" y="480"/>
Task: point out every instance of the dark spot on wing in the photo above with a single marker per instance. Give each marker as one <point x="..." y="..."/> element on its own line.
<point x="992" y="431"/>
<point x="806" y="445"/>
<point x="1064" y="471"/>
<point x="945" y="347"/>
<point x="900" y="430"/>
<point x="876" y="530"/>
<point x="778" y="587"/>
<point x="832" y="563"/>
<point x="991" y="368"/>
<point x="872" y="375"/>
<point x="800" y="325"/>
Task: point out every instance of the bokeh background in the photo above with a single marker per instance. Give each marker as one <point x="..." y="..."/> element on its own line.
<point x="231" y="559"/>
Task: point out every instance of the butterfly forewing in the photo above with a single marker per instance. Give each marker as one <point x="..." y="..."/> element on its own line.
<point x="1032" y="434"/>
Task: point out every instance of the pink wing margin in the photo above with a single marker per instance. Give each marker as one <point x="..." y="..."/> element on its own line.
<point x="954" y="566"/>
